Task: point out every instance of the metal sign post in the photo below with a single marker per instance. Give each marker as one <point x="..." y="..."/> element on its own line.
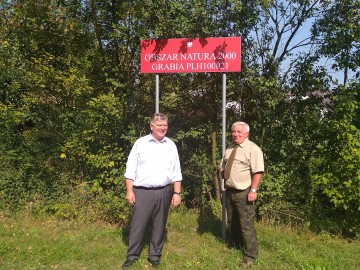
<point x="223" y="191"/>
<point x="157" y="94"/>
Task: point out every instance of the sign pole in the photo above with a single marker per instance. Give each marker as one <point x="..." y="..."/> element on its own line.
<point x="223" y="191"/>
<point x="157" y="98"/>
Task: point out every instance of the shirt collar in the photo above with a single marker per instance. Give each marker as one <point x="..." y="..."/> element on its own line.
<point x="244" y="143"/>
<point x="152" y="139"/>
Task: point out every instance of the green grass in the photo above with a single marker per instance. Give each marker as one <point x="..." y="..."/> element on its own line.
<point x="193" y="242"/>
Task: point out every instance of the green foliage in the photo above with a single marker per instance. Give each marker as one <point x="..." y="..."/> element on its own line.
<point x="339" y="32"/>
<point x="81" y="204"/>
<point x="338" y="173"/>
<point x="114" y="208"/>
<point x="54" y="137"/>
<point x="196" y="166"/>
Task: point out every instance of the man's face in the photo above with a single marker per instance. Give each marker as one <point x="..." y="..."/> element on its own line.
<point x="159" y="129"/>
<point x="239" y="134"/>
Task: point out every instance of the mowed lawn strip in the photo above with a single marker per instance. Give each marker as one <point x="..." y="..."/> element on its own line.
<point x="193" y="242"/>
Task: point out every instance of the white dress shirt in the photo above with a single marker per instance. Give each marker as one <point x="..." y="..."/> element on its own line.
<point x="153" y="164"/>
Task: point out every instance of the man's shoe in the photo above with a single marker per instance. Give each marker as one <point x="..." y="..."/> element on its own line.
<point x="128" y="263"/>
<point x="246" y="264"/>
<point x="154" y="263"/>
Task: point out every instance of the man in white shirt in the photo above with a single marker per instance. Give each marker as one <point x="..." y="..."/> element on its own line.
<point x="153" y="183"/>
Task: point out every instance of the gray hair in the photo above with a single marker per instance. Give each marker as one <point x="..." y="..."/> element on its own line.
<point x="159" y="117"/>
<point x="239" y="123"/>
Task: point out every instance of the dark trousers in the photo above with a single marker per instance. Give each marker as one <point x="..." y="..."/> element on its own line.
<point x="240" y="219"/>
<point x="151" y="206"/>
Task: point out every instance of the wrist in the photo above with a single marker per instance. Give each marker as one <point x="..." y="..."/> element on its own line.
<point x="254" y="190"/>
<point x="177" y="193"/>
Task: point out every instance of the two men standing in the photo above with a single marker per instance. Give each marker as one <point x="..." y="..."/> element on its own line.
<point x="153" y="183"/>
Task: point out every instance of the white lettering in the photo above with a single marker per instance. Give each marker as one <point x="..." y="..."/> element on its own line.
<point x="167" y="67"/>
<point x="206" y="56"/>
<point x="191" y="56"/>
<point x="207" y="66"/>
<point x="161" y="57"/>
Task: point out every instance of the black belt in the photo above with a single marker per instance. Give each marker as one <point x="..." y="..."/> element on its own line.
<point x="150" y="188"/>
<point x="236" y="190"/>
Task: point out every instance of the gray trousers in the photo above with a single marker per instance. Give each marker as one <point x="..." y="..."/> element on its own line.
<point x="151" y="207"/>
<point x="240" y="217"/>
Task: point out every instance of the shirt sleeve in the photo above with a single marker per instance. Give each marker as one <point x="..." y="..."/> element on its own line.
<point x="131" y="163"/>
<point x="176" y="175"/>
<point x="257" y="160"/>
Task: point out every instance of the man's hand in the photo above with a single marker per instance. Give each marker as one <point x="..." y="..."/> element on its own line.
<point x="130" y="197"/>
<point x="176" y="200"/>
<point x="252" y="196"/>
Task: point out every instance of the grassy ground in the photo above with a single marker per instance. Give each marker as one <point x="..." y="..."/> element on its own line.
<point x="193" y="242"/>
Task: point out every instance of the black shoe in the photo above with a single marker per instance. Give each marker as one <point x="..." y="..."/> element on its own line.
<point x="154" y="263"/>
<point x="128" y="263"/>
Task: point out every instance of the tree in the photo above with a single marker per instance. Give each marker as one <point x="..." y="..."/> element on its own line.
<point x="338" y="35"/>
<point x="336" y="172"/>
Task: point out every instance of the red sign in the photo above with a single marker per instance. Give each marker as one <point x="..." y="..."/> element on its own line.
<point x="191" y="55"/>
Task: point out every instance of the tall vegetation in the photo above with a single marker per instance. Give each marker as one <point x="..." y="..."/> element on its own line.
<point x="73" y="100"/>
